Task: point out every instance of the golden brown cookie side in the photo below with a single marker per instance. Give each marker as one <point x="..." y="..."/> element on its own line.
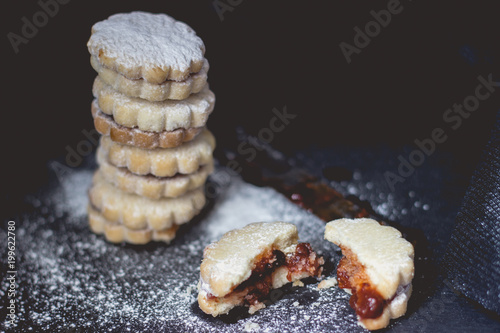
<point x="176" y="90"/>
<point x="150" y="186"/>
<point x="106" y="125"/>
<point x="118" y="233"/>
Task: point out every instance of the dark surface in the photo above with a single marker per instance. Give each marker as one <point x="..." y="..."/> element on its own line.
<point x="64" y="268"/>
<point x="358" y="116"/>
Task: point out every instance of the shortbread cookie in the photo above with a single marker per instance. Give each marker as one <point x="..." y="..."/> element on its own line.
<point x="154" y="116"/>
<point x="377" y="269"/>
<point x="137" y="213"/>
<point x="152" y="91"/>
<point x="245" y="264"/>
<point x="161" y="162"/>
<point x="153" y="47"/>
<point x="138" y="138"/>
<point x="150" y="186"/>
<point x="118" y="233"/>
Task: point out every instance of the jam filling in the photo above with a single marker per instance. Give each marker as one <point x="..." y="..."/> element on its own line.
<point x="260" y="281"/>
<point x="258" y="286"/>
<point x="365" y="299"/>
<point x="303" y="260"/>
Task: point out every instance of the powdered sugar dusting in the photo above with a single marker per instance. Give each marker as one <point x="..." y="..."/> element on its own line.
<point x="75" y="195"/>
<point x="143" y="39"/>
<point x="71" y="278"/>
<point x="235" y="210"/>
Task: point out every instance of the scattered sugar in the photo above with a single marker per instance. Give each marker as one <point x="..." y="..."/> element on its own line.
<point x="75" y="200"/>
<point x="72" y="278"/>
<point x="236" y="209"/>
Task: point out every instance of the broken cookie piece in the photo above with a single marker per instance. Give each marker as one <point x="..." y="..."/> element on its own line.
<point x="244" y="266"/>
<point x="377" y="269"/>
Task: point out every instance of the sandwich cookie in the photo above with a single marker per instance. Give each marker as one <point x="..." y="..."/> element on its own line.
<point x="245" y="264"/>
<point x="118" y="233"/>
<point x="150" y="186"/>
<point x="137" y="212"/>
<point x="106" y="126"/>
<point x="184" y="159"/>
<point x="153" y="92"/>
<point x="377" y="269"/>
<point x="168" y="115"/>
<point x="146" y="46"/>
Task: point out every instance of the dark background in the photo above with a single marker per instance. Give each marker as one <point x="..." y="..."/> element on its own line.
<point x="265" y="55"/>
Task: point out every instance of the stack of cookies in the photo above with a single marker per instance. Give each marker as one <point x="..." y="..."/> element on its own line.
<point x="152" y="102"/>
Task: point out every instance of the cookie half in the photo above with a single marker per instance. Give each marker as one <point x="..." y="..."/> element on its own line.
<point x="138" y="213"/>
<point x="154" y="116"/>
<point x="118" y="233"/>
<point x="153" y="47"/>
<point x="152" y="91"/>
<point x="150" y="186"/>
<point x="161" y="162"/>
<point x="377" y="269"/>
<point x="245" y="264"/>
<point x="106" y="125"/>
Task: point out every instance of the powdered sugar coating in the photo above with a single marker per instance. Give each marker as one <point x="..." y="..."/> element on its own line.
<point x="155" y="47"/>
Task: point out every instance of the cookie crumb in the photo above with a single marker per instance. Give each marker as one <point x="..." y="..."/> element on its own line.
<point x="328" y="283"/>
<point x="256" y="307"/>
<point x="298" y="283"/>
<point x="251" y="327"/>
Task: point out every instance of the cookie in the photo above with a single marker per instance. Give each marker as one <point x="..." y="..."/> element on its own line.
<point x="152" y="47"/>
<point x="377" y="269"/>
<point x="245" y="264"/>
<point x="161" y="162"/>
<point x="138" y="213"/>
<point x="154" y="116"/>
<point x="138" y="138"/>
<point x="118" y="233"/>
<point x="150" y="186"/>
<point x="154" y="92"/>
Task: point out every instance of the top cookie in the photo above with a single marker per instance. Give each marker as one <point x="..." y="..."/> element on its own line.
<point x="154" y="47"/>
